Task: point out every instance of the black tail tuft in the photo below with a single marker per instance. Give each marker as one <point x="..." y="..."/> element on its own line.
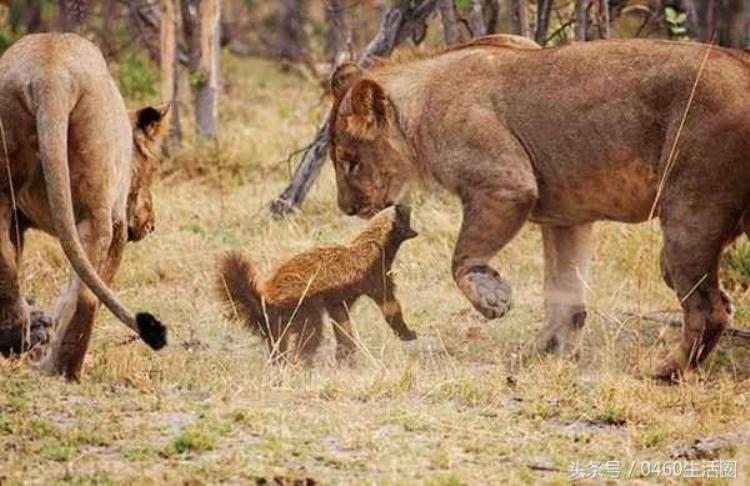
<point x="151" y="330"/>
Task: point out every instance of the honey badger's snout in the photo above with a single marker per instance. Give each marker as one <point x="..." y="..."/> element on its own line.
<point x="403" y="219"/>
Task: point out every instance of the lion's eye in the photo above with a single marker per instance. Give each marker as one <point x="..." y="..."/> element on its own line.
<point x="351" y="165"/>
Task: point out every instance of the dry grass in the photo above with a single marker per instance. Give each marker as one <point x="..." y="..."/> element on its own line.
<point x="445" y="410"/>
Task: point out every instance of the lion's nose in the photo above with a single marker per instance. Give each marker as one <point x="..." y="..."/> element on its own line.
<point x="353" y="210"/>
<point x="150" y="227"/>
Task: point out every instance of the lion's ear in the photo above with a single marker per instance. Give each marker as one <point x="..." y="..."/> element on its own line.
<point x="343" y="77"/>
<point x="152" y="120"/>
<point x="368" y="102"/>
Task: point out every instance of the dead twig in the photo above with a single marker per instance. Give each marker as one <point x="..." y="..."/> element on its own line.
<point x="733" y="332"/>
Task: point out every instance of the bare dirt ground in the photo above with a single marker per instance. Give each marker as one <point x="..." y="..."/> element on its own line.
<point x="447" y="409"/>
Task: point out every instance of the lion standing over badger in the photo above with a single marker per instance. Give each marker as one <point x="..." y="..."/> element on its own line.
<point x="77" y="170"/>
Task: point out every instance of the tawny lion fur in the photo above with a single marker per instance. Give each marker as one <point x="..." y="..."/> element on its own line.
<point x="287" y="309"/>
<point x="562" y="137"/>
<point x="78" y="171"/>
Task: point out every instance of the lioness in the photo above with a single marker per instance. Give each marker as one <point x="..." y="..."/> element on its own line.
<point x="71" y="170"/>
<point x="562" y="137"/>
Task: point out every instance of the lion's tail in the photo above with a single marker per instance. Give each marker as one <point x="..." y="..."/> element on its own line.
<point x="50" y="99"/>
<point x="238" y="288"/>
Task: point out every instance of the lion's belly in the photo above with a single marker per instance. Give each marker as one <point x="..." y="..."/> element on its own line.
<point x="624" y="193"/>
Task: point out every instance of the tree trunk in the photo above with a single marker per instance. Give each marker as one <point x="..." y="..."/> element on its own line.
<point x="746" y="23"/>
<point x="169" y="69"/>
<point x="604" y="6"/>
<point x="207" y="89"/>
<point x="544" y="8"/>
<point x="493" y="15"/>
<point x="293" y="38"/>
<point x="581" y="21"/>
<point x="476" y="19"/>
<point x="30" y="15"/>
<point x="710" y="21"/>
<point x="524" y="27"/>
<point x="400" y="22"/>
<point x="451" y="34"/>
<point x="70" y="14"/>
<point x="337" y="35"/>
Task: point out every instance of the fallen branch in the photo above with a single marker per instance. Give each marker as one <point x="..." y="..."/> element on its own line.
<point x="710" y="447"/>
<point x="401" y="21"/>
<point x="733" y="332"/>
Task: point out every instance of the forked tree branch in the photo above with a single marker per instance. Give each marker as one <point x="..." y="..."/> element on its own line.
<point x="401" y="21"/>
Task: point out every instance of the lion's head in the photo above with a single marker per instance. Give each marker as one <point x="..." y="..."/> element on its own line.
<point x="370" y="154"/>
<point x="148" y="129"/>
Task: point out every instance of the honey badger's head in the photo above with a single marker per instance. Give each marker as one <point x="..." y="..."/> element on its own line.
<point x="398" y="218"/>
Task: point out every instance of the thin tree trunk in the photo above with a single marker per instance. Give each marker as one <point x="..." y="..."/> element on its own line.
<point x="293" y="38"/>
<point x="493" y="15"/>
<point x="524" y="25"/>
<point x="169" y="69"/>
<point x="207" y="93"/>
<point x="337" y="36"/>
<point x="476" y="19"/>
<point x="581" y="7"/>
<point x="710" y="16"/>
<point x="70" y="14"/>
<point x="31" y="16"/>
<point x="451" y="34"/>
<point x="604" y="6"/>
<point x="544" y="8"/>
<point x="400" y="22"/>
<point x="746" y="23"/>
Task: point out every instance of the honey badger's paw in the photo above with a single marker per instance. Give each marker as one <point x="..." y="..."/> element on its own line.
<point x="487" y="291"/>
<point x="407" y="335"/>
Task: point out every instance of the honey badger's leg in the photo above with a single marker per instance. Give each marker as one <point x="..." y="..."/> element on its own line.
<point x="498" y="190"/>
<point x="305" y="336"/>
<point x="14" y="314"/>
<point x="566" y="258"/>
<point x="693" y="240"/>
<point x="342" y="329"/>
<point x="384" y="294"/>
<point x="76" y="307"/>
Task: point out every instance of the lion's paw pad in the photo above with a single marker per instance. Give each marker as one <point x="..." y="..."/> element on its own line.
<point x="489" y="294"/>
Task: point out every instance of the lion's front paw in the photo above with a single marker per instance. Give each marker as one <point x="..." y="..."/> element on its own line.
<point x="40" y="328"/>
<point x="489" y="294"/>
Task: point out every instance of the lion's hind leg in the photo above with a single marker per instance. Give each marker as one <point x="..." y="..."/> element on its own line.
<point x="693" y="242"/>
<point x="76" y="307"/>
<point x="14" y="314"/>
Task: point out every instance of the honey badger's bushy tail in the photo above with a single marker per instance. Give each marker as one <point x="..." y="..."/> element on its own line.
<point x="238" y="288"/>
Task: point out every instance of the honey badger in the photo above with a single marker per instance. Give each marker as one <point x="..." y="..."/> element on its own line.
<point x="287" y="309"/>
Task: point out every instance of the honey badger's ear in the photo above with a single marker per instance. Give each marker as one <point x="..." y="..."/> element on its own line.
<point x="368" y="104"/>
<point x="151" y="120"/>
<point x="343" y="77"/>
